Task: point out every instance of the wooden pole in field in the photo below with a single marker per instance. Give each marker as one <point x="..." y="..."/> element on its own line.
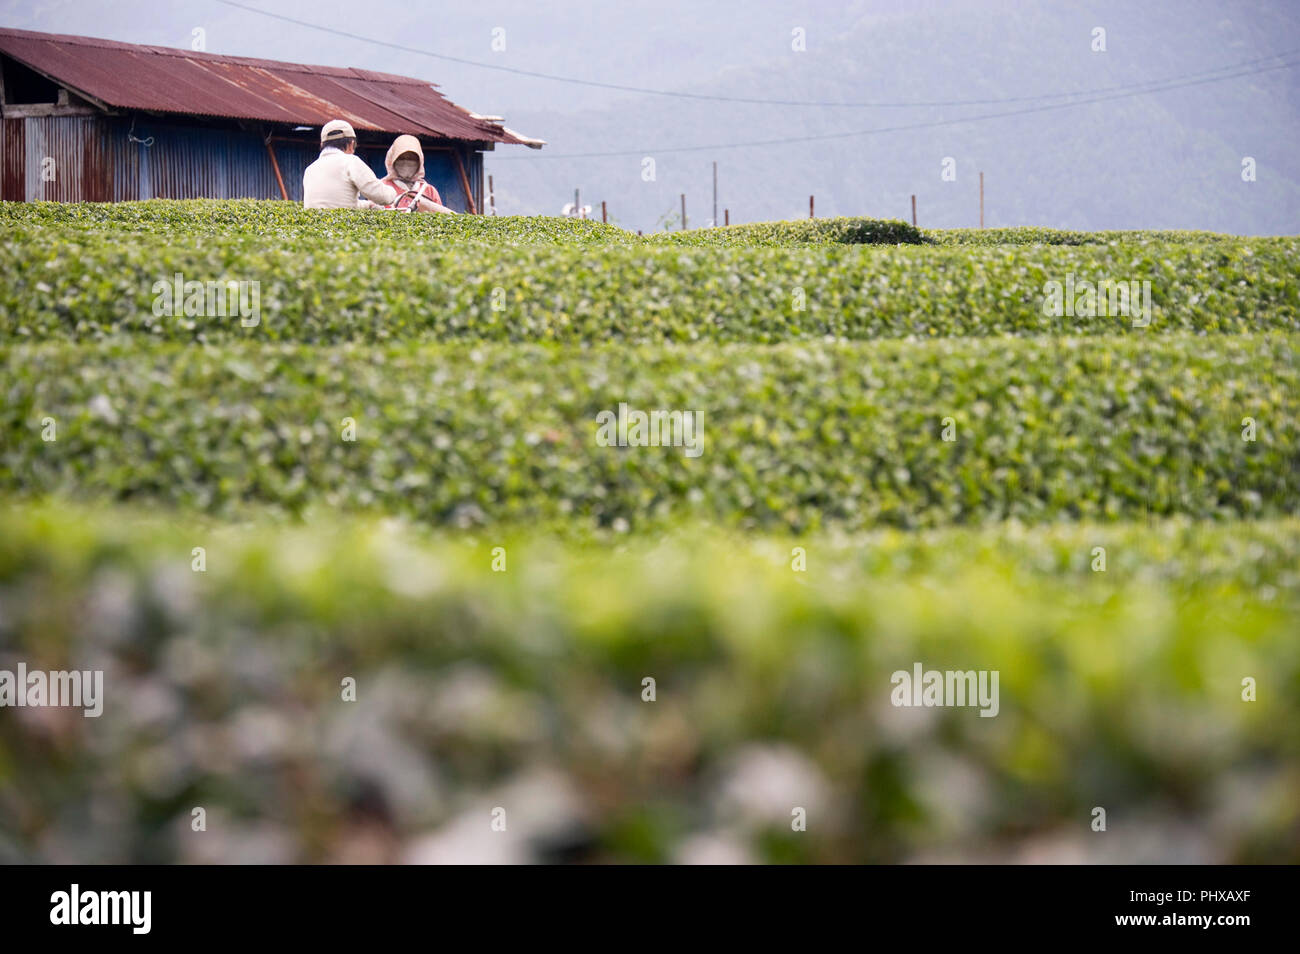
<point x="492" y="197"/>
<point x="981" y="200"/>
<point x="726" y="216"/>
<point x="683" y="211"/>
<point x="604" y="215"/>
<point x="810" y="207"/>
<point x="715" y="194"/>
<point x="577" y="204"/>
<point x="914" y="211"/>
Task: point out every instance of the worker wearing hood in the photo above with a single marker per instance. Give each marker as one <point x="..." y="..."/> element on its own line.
<point x="405" y="165"/>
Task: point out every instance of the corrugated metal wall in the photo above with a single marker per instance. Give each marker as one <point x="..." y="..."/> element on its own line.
<point x="104" y="159"/>
<point x="294" y="158"/>
<point x="64" y="159"/>
<point x="13" y="160"/>
<point x="113" y="159"/>
<point x="191" y="162"/>
<point x="474" y="169"/>
<point x="440" y="169"/>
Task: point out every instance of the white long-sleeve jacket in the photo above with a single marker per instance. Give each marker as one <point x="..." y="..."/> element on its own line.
<point x="336" y="177"/>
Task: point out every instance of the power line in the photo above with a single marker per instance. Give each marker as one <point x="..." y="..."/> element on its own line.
<point x="657" y="150"/>
<point x="753" y="101"/>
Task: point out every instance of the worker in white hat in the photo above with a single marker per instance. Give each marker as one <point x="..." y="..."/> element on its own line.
<point x="334" y="180"/>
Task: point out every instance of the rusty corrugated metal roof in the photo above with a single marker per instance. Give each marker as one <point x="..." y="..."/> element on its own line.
<point x="166" y="80"/>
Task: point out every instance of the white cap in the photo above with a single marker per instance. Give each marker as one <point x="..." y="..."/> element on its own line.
<point x="337" y="129"/>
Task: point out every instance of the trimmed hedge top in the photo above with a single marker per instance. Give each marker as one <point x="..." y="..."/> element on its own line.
<point x="833" y="231"/>
<point x="359" y="282"/>
<point x="1030" y="235"/>
<point x="795" y="437"/>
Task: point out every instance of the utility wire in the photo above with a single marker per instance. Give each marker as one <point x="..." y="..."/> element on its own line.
<point x="753" y="101"/>
<point x="659" y="150"/>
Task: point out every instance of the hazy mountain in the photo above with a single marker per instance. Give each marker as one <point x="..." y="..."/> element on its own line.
<point x="1169" y="159"/>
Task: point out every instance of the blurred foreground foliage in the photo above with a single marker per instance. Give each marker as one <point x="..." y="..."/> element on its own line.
<point x="523" y="689"/>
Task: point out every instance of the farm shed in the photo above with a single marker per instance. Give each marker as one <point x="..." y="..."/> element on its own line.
<point x="95" y="120"/>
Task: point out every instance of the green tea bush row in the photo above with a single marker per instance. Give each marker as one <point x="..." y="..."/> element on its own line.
<point x="286" y="220"/>
<point x="262" y="221"/>
<point x="1041" y="236"/>
<point x="84" y="287"/>
<point x="833" y="231"/>
<point x="794" y="437"/>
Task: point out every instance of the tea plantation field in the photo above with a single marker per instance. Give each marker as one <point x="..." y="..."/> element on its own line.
<point x="358" y="571"/>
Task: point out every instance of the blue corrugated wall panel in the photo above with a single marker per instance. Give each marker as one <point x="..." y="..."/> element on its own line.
<point x="184" y="162"/>
<point x="98" y="159"/>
